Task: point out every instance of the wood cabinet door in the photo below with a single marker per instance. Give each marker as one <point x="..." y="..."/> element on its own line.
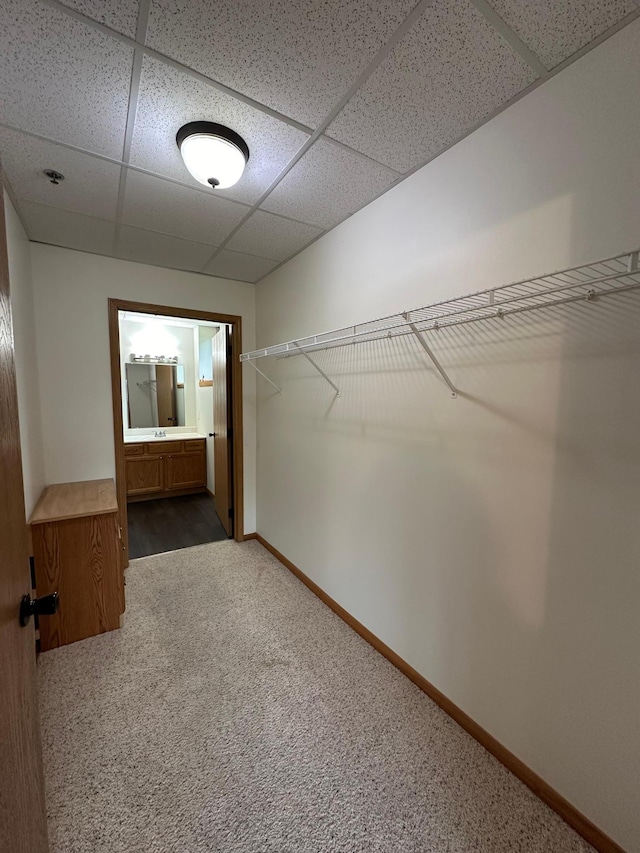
<point x="185" y="470"/>
<point x="145" y="474"/>
<point x="80" y="559"/>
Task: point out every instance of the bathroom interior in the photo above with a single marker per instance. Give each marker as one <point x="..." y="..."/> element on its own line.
<point x="167" y="381"/>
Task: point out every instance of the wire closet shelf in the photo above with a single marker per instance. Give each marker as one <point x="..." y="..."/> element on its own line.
<point x="587" y="282"/>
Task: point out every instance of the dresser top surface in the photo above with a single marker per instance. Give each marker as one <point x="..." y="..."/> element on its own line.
<point x="75" y="500"/>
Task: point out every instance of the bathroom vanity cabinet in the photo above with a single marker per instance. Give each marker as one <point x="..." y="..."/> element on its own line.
<point x="157" y="469"/>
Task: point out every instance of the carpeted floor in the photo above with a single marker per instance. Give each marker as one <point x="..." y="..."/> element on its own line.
<point x="234" y="712"/>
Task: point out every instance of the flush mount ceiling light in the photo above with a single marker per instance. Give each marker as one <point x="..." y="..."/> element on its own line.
<point x="213" y="154"/>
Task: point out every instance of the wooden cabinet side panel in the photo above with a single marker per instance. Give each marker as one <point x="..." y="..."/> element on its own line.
<point x="79" y="558"/>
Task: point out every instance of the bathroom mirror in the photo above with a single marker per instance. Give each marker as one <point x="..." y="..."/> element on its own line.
<point x="155" y="395"/>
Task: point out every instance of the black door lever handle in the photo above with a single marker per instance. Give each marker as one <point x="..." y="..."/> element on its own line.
<point x="212" y="435"/>
<point x="45" y="606"/>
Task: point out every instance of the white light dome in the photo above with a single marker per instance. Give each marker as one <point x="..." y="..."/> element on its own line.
<point x="215" y="155"/>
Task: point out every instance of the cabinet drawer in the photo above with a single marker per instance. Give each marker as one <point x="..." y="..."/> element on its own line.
<point x="194" y="444"/>
<point x="134" y="450"/>
<point x="164" y="447"/>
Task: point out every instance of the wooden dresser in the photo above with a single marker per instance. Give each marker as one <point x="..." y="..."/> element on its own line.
<point x="157" y="469"/>
<point x="77" y="552"/>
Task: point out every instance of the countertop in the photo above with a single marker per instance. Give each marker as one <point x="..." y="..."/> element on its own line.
<point x="74" y="500"/>
<point x="176" y="436"/>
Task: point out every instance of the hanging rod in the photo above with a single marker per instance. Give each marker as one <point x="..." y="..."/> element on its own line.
<point x="589" y="282"/>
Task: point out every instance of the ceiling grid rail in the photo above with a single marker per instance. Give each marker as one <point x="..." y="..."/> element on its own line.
<point x="584" y="283"/>
<point x="132" y="109"/>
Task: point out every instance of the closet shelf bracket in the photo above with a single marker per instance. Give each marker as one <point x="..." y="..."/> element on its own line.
<point x="425" y="346"/>
<point x="264" y="376"/>
<point x="319" y="369"/>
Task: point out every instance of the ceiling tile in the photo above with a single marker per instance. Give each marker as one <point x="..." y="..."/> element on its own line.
<point x="90" y="185"/>
<point x="271" y="236"/>
<point x="449" y="72"/>
<point x="120" y="15"/>
<point x="163" y="206"/>
<point x="555" y="30"/>
<point x="168" y="99"/>
<point x="63" y="228"/>
<point x="228" y="264"/>
<point x="328" y="184"/>
<point x="63" y="79"/>
<point x="296" y="56"/>
<point x="149" y="247"/>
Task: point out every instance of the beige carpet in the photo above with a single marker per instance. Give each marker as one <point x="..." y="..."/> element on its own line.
<point x="234" y="712"/>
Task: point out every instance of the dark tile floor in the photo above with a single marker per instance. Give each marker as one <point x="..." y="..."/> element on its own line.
<point x="171" y="523"/>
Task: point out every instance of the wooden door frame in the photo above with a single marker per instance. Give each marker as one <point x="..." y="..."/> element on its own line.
<point x="233" y="320"/>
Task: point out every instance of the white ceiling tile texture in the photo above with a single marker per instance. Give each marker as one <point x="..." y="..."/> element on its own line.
<point x="62" y="78"/>
<point x="555" y="30"/>
<point x="64" y="228"/>
<point x="91" y="187"/>
<point x="239" y="266"/>
<point x="271" y="236"/>
<point x="120" y="15"/>
<point x="69" y="80"/>
<point x="149" y="247"/>
<point x="296" y="56"/>
<point x="169" y="208"/>
<point x="448" y="73"/>
<point x="169" y="98"/>
<point x="327" y="184"/>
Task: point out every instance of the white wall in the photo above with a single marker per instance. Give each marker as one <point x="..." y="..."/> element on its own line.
<point x="25" y="355"/>
<point x="492" y="541"/>
<point x="71" y="292"/>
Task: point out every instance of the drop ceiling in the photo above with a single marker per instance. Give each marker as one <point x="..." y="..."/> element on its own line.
<point x="338" y="100"/>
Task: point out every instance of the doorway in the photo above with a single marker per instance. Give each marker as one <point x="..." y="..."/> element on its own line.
<point x="177" y="415"/>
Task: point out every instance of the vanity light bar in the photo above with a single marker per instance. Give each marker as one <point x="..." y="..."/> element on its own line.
<point x="155" y="359"/>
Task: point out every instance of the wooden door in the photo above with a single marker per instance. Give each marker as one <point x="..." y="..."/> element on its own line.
<point x="23" y="825"/>
<point x="222" y="455"/>
<point x="186" y="470"/>
<point x="166" y="395"/>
